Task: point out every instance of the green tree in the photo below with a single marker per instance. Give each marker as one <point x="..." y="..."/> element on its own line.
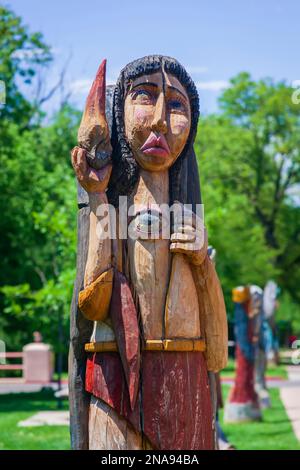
<point x="249" y="157"/>
<point x="38" y="203"/>
<point x="22" y="55"/>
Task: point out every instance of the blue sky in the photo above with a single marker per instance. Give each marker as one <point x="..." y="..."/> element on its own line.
<point x="213" y="39"/>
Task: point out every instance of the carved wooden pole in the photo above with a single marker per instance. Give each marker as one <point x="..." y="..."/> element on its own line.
<point x="95" y="145"/>
<point x="150" y="327"/>
<point x="242" y="404"/>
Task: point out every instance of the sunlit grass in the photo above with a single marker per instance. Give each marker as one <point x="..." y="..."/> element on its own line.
<point x="17" y="407"/>
<point x="272" y="370"/>
<point x="273" y="433"/>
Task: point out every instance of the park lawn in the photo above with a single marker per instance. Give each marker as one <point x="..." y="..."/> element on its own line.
<point x="17" y="407"/>
<point x="272" y="370"/>
<point x="273" y="433"/>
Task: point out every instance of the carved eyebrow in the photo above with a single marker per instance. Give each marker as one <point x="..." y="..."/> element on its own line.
<point x="173" y="88"/>
<point x="145" y="83"/>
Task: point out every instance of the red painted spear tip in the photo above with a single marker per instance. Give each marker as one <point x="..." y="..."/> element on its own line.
<point x="102" y="68"/>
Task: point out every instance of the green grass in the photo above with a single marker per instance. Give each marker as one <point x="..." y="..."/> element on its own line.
<point x="272" y="370"/>
<point x="273" y="433"/>
<point x="17" y="407"/>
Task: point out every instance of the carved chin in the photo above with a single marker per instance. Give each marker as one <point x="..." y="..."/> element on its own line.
<point x="154" y="162"/>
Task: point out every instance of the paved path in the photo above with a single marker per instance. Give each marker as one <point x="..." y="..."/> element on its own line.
<point x="47" y="418"/>
<point x="290" y="396"/>
<point x="19" y="386"/>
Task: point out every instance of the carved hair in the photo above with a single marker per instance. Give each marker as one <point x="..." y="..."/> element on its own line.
<point x="125" y="169"/>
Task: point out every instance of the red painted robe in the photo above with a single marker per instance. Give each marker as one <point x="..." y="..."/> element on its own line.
<point x="171" y="405"/>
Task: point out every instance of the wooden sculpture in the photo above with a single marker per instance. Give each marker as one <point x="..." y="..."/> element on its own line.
<point x="266" y="342"/>
<point x="270" y="306"/>
<point x="148" y="315"/>
<point x="243" y="403"/>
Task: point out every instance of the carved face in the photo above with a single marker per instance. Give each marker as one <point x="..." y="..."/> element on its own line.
<point x="157" y="119"/>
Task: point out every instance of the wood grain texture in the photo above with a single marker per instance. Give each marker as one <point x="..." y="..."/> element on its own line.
<point x="93" y="132"/>
<point x="125" y="322"/>
<point x="174" y="398"/>
<point x="105" y="379"/>
<point x="150" y="259"/>
<point x="177" y="410"/>
<point x="99" y="248"/>
<point x="94" y="300"/>
<point x="149" y="269"/>
<point x="80" y="332"/>
<point x="109" y="430"/>
<point x="213" y="318"/>
<point x="182" y="318"/>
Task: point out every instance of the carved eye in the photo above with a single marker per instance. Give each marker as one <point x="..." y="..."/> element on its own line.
<point x="142" y="96"/>
<point x="148" y="224"/>
<point x="176" y="105"/>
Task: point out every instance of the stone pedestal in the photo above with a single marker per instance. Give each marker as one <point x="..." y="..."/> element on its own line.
<point x="38" y="363"/>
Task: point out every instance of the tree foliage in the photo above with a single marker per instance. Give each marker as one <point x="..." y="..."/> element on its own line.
<point x="38" y="203"/>
<point x="249" y="157"/>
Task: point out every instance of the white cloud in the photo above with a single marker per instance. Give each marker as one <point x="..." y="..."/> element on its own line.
<point x="82" y="86"/>
<point x="197" y="69"/>
<point x="213" y="85"/>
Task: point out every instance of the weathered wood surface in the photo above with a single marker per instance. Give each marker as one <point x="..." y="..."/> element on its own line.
<point x="125" y="322"/>
<point x="150" y="259"/>
<point x="182" y="318"/>
<point x="80" y="332"/>
<point x="81" y="328"/>
<point x="99" y="250"/>
<point x="110" y="430"/>
<point x="94" y="300"/>
<point x="93" y="133"/>
<point x="177" y="415"/>
<point x="105" y="379"/>
<point x="213" y="318"/>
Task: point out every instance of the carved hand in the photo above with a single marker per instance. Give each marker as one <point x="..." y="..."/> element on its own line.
<point x="92" y="180"/>
<point x="91" y="158"/>
<point x="189" y="237"/>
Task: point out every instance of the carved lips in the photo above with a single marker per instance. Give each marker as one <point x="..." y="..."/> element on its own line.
<point x="156" y="146"/>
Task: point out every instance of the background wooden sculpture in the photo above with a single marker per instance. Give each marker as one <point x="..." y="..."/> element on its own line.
<point x="242" y="404"/>
<point x="266" y="342"/>
<point x="139" y="374"/>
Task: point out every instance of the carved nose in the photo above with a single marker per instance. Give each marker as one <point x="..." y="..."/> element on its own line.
<point x="159" y="123"/>
<point x="160" y="126"/>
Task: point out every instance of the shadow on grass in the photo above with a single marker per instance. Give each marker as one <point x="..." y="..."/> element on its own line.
<point x="31" y="402"/>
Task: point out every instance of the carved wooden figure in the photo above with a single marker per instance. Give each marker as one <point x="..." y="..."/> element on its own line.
<point x="148" y="315"/>
<point x="266" y="342"/>
<point x="242" y="404"/>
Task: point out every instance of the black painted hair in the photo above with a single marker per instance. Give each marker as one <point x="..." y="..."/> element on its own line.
<point x="125" y="169"/>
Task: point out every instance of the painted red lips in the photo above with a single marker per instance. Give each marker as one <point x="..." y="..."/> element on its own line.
<point x="156" y="146"/>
